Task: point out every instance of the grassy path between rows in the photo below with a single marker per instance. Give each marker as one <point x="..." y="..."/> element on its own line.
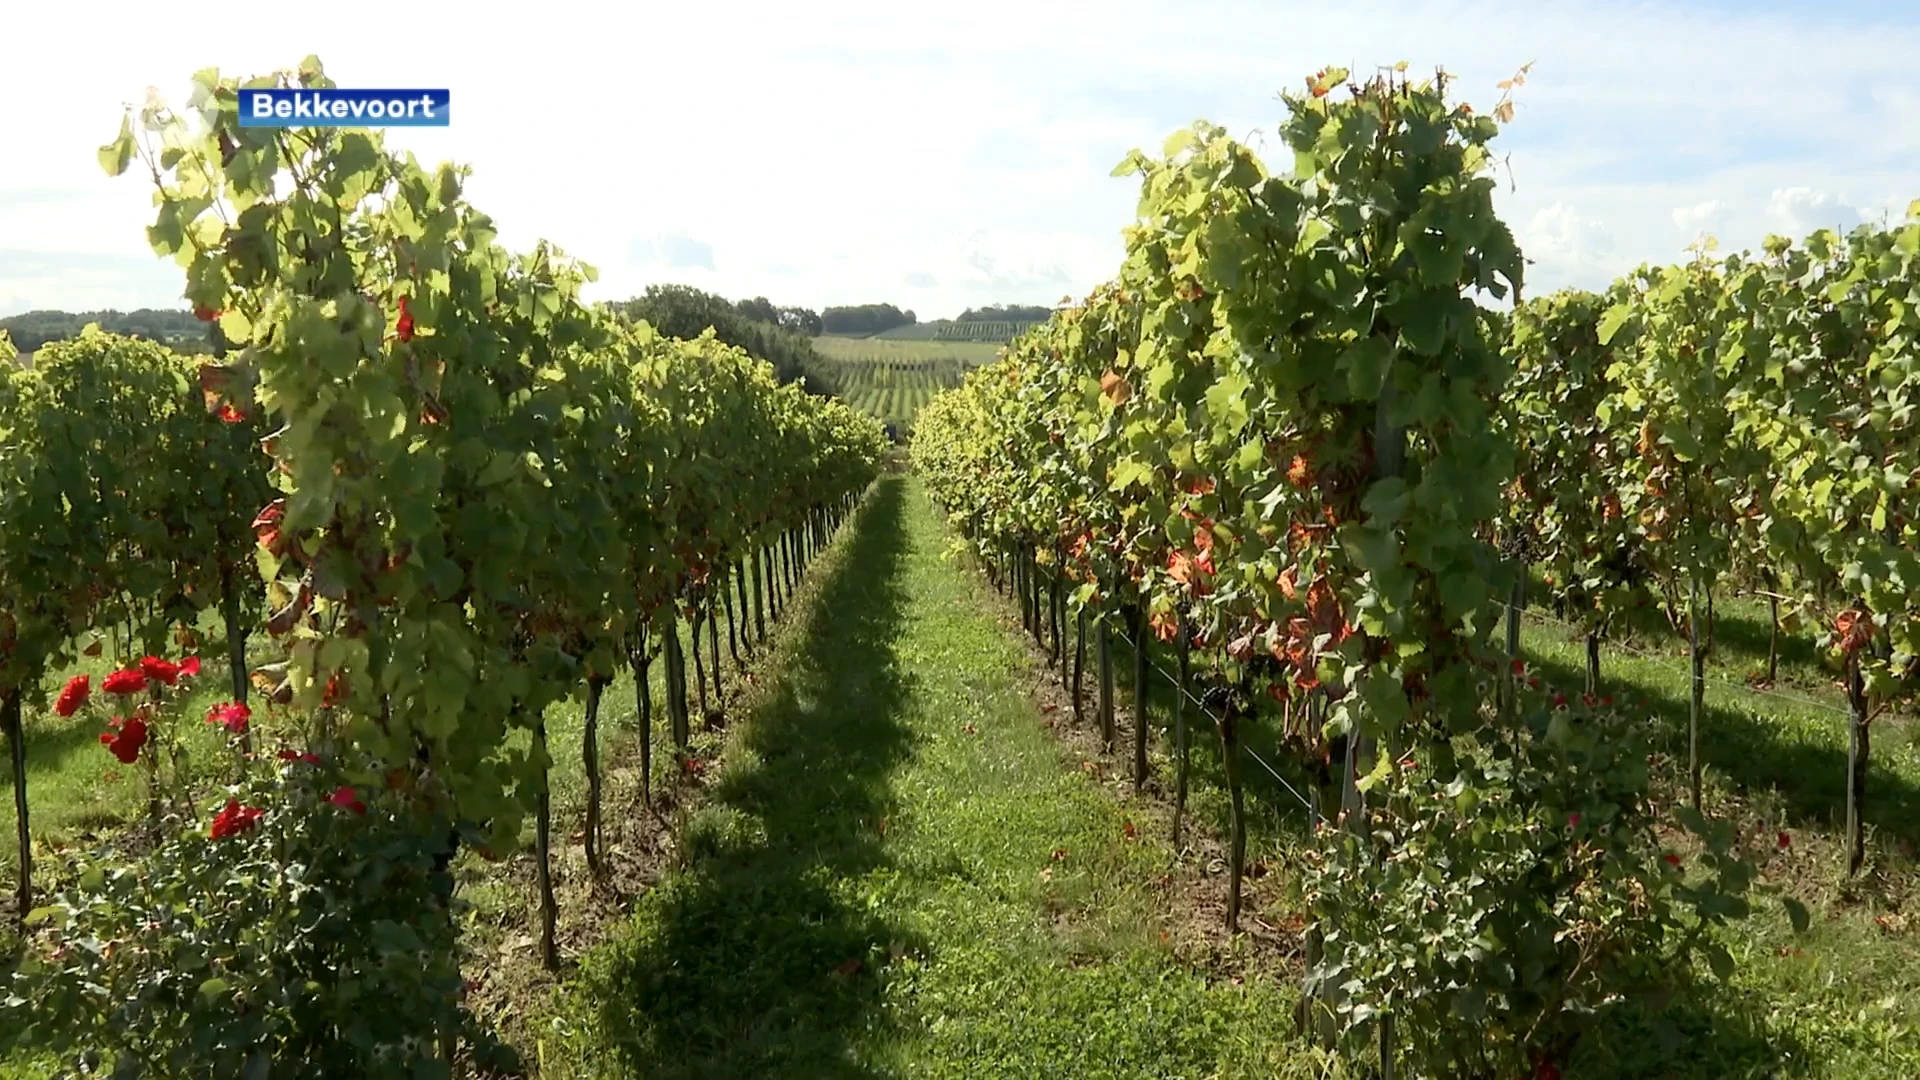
<point x="894" y="875"/>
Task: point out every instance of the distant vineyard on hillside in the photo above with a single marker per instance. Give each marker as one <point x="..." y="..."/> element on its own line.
<point x="891" y="379"/>
<point x="981" y="331"/>
<point x="997" y="332"/>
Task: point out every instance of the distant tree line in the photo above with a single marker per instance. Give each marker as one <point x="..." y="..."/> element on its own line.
<point x="176" y="328"/>
<point x="760" y="309"/>
<point x="782" y="336"/>
<point x="1007" y="313"/>
<point x="864" y="319"/>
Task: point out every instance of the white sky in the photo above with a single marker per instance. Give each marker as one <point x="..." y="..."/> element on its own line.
<point x="944" y="156"/>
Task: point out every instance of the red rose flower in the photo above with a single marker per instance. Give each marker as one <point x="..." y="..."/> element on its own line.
<point x="160" y="671"/>
<point x="73" y="695"/>
<point x="1559" y="701"/>
<point x="1519" y="666"/>
<point x="295" y="755"/>
<point x="233" y="716"/>
<point x="126" y="740"/>
<point x="345" y="798"/>
<point x="128" y="681"/>
<point x="190" y="667"/>
<point x="233" y="819"/>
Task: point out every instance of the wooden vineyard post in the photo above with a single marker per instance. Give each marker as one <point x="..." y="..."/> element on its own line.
<point x="1139" y="696"/>
<point x="1079" y="663"/>
<point x="543" y="854"/>
<point x="713" y="648"/>
<point x="1228" y="722"/>
<point x="1058" y="616"/>
<point x="733" y="620"/>
<point x="1039" y="617"/>
<point x="1104" y="645"/>
<point x="676" y="683"/>
<point x="1697" y="692"/>
<point x="772" y="593"/>
<point x="17" y="751"/>
<point x="590" y="762"/>
<point x="236" y="641"/>
<point x="699" y="666"/>
<point x="641" y="664"/>
<point x="1180" y="732"/>
<point x="1858" y="720"/>
<point x="1019" y="583"/>
<point x="1773" y="637"/>
<point x="750" y="569"/>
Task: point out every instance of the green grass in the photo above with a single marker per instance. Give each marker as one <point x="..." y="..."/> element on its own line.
<point x="1842" y="1001"/>
<point x="856" y="818"/>
<point x="874" y="888"/>
<point x="1845" y="998"/>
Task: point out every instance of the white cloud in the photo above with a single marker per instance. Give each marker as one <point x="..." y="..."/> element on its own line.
<point x="1801" y="210"/>
<point x="1560" y="232"/>
<point x="1699" y="218"/>
<point x="671" y="251"/>
<point x="33" y="280"/>
<point x="822" y="154"/>
<point x="1564" y="247"/>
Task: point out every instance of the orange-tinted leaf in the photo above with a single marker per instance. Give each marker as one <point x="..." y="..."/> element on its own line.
<point x="1300" y="472"/>
<point x="1323" y="606"/>
<point x="1180" y="567"/>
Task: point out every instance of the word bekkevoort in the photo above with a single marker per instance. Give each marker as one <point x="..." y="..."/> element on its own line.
<point x="344" y="108"/>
